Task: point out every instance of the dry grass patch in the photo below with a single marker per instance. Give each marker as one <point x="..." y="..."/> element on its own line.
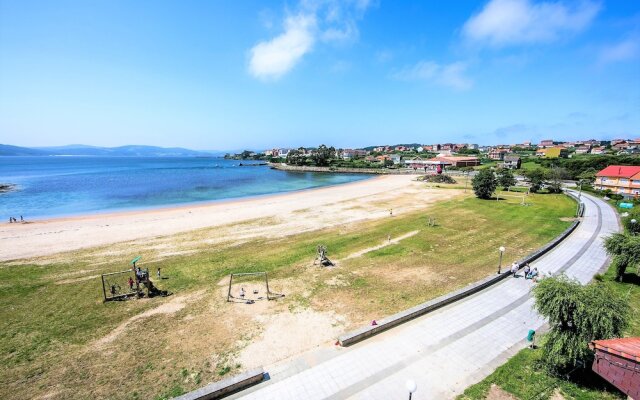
<point x="48" y="331"/>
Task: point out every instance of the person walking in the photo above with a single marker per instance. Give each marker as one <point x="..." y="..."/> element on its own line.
<point x="514" y="269"/>
<point x="158" y="273"/>
<point x="130" y="284"/>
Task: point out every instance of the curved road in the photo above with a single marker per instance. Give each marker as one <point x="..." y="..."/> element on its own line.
<point x="449" y="349"/>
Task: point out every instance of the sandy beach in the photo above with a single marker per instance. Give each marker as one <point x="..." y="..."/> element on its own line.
<point x="308" y="209"/>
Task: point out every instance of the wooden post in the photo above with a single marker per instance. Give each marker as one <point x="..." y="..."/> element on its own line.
<point x="104" y="292"/>
<point x="229" y="293"/>
<point x="266" y="279"/>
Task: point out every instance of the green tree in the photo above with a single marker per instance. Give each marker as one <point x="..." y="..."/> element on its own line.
<point x="536" y="178"/>
<point x="555" y="177"/>
<point x="295" y="157"/>
<point x="587" y="176"/>
<point x="324" y="155"/>
<point x="506" y="178"/>
<point x="577" y="315"/>
<point x="484" y="183"/>
<point x="625" y="250"/>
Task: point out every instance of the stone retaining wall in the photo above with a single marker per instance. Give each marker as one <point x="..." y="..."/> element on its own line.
<point x="218" y="390"/>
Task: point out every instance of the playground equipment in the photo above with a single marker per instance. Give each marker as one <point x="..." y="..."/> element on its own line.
<point x="129" y="283"/>
<point x="321" y="257"/>
<point x="249" y="287"/>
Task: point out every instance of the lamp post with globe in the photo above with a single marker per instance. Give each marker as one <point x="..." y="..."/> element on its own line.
<point x="502" y="249"/>
<point x="411" y="386"/>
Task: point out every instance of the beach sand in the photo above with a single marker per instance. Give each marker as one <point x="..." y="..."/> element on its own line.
<point x="292" y="213"/>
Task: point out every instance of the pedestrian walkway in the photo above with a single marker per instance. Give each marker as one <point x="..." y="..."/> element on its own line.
<point x="456" y="346"/>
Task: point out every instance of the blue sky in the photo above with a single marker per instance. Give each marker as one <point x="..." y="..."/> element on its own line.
<point x="259" y="74"/>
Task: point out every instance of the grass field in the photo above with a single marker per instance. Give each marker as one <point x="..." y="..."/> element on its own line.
<point x="53" y="323"/>
<point x="524" y="377"/>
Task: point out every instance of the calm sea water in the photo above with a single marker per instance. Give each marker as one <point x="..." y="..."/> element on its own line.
<point x="58" y="186"/>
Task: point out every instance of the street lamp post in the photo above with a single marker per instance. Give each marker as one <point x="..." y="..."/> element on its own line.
<point x="500" y="262"/>
<point x="580" y="192"/>
<point x="411" y="387"/>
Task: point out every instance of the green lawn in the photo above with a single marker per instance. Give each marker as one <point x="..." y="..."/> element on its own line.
<point x="525" y="378"/>
<point x="47" y="327"/>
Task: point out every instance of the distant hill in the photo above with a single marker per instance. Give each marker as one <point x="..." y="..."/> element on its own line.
<point x="7" y="150"/>
<point x="83" y="150"/>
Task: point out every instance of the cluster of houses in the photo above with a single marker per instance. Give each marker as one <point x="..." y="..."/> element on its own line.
<point x="439" y="156"/>
<point x="554" y="149"/>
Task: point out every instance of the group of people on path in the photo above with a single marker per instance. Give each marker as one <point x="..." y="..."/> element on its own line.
<point x="529" y="273"/>
<point x="14" y="220"/>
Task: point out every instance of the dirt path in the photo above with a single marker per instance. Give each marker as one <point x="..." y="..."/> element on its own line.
<point x="170" y="307"/>
<point x="389" y="242"/>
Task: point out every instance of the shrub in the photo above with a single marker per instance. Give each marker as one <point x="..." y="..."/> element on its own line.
<point x="438" y="179"/>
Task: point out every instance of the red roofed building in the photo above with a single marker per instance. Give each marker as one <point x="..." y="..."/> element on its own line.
<point x="618" y="361"/>
<point x="620" y="179"/>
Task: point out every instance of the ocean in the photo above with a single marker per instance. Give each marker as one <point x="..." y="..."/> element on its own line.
<point x="65" y="186"/>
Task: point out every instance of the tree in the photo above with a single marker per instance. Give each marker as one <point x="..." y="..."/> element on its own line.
<point x="536" y="179"/>
<point x="506" y="178"/>
<point x="295" y="157"/>
<point x="577" y="315"/>
<point x="555" y="177"/>
<point x="625" y="250"/>
<point x="484" y="183"/>
<point x="324" y="155"/>
<point x="587" y="176"/>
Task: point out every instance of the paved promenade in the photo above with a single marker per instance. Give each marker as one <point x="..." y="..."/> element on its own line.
<point x="452" y="348"/>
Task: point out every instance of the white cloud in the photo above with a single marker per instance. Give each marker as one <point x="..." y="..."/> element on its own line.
<point x="325" y="21"/>
<point x="449" y="75"/>
<point x="513" y="22"/>
<point x="622" y="51"/>
<point x="274" y="58"/>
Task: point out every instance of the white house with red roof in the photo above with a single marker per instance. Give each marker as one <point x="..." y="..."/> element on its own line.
<point x="620" y="179"/>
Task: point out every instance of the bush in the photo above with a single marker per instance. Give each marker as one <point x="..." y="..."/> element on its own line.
<point x="438" y="179"/>
<point x="484" y="183"/>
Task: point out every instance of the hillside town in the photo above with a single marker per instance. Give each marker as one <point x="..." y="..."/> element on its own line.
<point x="450" y="155"/>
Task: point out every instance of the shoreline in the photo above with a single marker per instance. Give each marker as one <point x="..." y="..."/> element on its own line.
<point x="176" y="206"/>
<point x="55" y="235"/>
<point x="344" y="170"/>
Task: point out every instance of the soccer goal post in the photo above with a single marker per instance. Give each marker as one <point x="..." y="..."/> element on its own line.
<point x="250" y="286"/>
